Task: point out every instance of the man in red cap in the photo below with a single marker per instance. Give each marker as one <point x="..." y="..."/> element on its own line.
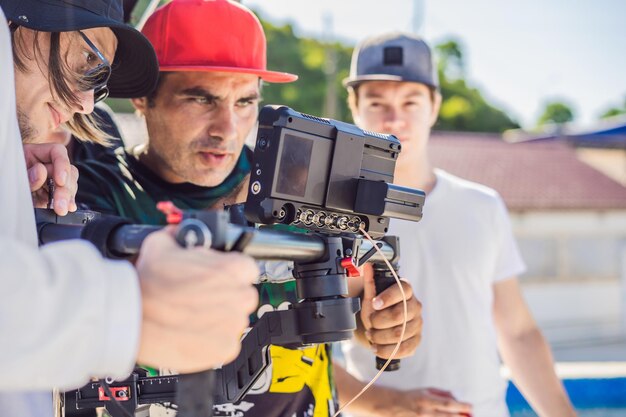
<point x="212" y="60"/>
<point x="212" y="56"/>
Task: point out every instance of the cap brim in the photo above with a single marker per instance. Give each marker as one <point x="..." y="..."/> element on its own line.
<point x="351" y="82"/>
<point x="268" y="76"/>
<point x="135" y="66"/>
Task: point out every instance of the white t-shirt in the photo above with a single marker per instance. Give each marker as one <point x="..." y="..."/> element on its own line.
<point x="65" y="313"/>
<point x="452" y="257"/>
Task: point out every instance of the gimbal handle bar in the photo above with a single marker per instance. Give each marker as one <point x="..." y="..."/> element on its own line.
<point x="120" y="239"/>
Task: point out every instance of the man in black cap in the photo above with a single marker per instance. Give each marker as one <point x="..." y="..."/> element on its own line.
<point x="65" y="313"/>
<point x="461" y="259"/>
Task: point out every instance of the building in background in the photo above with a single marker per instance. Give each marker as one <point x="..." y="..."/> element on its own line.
<point x="570" y="221"/>
<point x="602" y="146"/>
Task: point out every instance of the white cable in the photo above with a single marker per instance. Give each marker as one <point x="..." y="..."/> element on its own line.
<point x="406" y="315"/>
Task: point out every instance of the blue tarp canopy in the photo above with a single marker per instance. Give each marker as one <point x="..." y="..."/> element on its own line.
<point x="606" y="134"/>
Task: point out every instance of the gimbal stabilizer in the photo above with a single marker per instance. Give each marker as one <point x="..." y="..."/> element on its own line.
<point x="328" y="177"/>
<point x="324" y="314"/>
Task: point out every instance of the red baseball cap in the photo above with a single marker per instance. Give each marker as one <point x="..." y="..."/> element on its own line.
<point x="210" y="35"/>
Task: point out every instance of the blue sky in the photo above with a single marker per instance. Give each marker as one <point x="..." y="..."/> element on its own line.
<point x="520" y="54"/>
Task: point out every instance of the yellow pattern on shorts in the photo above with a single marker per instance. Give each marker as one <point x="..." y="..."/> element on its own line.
<point x="293" y="369"/>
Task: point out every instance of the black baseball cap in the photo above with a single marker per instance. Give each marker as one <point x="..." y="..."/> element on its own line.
<point x="135" y="69"/>
<point x="392" y="57"/>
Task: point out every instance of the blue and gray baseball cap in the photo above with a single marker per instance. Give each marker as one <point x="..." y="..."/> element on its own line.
<point x="392" y="57"/>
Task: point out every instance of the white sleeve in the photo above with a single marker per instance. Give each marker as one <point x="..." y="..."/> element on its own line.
<point x="66" y="315"/>
<point x="509" y="262"/>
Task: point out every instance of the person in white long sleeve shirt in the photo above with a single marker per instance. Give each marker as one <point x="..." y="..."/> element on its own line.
<point x="66" y="314"/>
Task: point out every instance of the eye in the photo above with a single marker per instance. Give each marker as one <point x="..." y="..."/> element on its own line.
<point x="247" y="102"/>
<point x="90" y="59"/>
<point x="200" y="100"/>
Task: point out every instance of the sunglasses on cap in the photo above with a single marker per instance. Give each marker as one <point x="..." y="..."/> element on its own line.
<point x="96" y="78"/>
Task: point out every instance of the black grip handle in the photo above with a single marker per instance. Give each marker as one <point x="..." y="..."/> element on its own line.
<point x="193" y="394"/>
<point x="383" y="278"/>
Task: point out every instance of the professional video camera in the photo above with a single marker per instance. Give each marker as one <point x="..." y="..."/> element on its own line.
<point x="328" y="177"/>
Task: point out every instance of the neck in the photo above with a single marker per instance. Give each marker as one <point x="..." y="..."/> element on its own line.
<point x="415" y="173"/>
<point x="154" y="163"/>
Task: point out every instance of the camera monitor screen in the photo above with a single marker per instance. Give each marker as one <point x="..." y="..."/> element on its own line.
<point x="294" y="166"/>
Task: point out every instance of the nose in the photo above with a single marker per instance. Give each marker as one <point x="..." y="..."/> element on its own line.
<point x="393" y="121"/>
<point x="85" y="104"/>
<point x="224" y="123"/>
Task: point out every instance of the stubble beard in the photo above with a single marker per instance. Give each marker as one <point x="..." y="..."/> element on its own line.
<point x="27" y="131"/>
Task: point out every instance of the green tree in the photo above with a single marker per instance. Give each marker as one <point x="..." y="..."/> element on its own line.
<point x="614" y="111"/>
<point x="463" y="107"/>
<point x="305" y="57"/>
<point x="450" y="59"/>
<point x="556" y="112"/>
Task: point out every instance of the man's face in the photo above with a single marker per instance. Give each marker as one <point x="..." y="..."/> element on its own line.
<point x="40" y="110"/>
<point x="197" y="124"/>
<point x="403" y="109"/>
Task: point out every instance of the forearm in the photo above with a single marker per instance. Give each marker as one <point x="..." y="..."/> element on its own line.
<point x="374" y="402"/>
<point x="529" y="358"/>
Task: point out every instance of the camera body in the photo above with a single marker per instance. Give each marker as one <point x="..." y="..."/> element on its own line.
<point x="327" y="176"/>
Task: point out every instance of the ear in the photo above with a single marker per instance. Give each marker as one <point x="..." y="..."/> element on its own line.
<point x="355" y="117"/>
<point x="436" y="108"/>
<point x="140" y="104"/>
<point x="353" y="106"/>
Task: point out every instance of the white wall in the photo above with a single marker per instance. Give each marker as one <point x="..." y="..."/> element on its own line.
<point x="550" y="223"/>
<point x="576" y="284"/>
<point x="571" y="246"/>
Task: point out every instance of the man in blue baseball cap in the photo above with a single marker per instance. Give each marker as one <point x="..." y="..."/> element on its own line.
<point x="461" y="259"/>
<point x="65" y="313"/>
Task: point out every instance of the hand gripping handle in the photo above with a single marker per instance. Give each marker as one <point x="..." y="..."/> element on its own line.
<point x="383" y="278"/>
